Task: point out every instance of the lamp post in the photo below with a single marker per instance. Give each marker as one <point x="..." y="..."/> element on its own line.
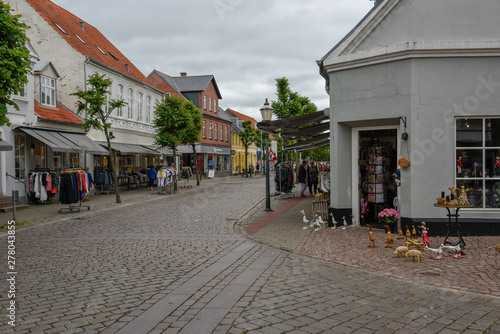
<point x="267" y="114"/>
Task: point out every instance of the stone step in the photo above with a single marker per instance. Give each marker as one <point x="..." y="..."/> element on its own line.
<point x="9" y="209"/>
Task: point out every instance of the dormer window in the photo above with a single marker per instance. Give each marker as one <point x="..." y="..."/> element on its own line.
<point x="47" y="91"/>
<point x="112" y="55"/>
<point x="57" y="25"/>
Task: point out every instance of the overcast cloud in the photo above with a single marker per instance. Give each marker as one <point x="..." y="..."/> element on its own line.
<point x="245" y="44"/>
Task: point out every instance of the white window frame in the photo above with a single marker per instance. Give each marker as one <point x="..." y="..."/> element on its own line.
<point x="119" y="96"/>
<point x="48" y="91"/>
<point x="210" y="104"/>
<point x="20" y="157"/>
<point x="140" y="100"/>
<point x="227" y="133"/>
<point x="210" y="130"/>
<point x="204" y="134"/>
<point x="205" y="102"/>
<point x="130" y="106"/>
<point x="216" y="131"/>
<point x="215" y="105"/>
<point x="483" y="148"/>
<point x="148" y="109"/>
<point x="221" y="132"/>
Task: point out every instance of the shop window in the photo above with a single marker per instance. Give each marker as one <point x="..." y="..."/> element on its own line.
<point x="119" y="96"/>
<point x="74" y="160"/>
<point x="478" y="160"/>
<point x="58" y="161"/>
<point x="39" y="154"/>
<point x="20" y="156"/>
<point x="48" y="91"/>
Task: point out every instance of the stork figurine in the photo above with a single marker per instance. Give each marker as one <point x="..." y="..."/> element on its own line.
<point x="344" y="223"/>
<point x="333" y="221"/>
<point x="438" y="251"/>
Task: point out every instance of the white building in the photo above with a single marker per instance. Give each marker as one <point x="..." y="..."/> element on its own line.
<point x="432" y="69"/>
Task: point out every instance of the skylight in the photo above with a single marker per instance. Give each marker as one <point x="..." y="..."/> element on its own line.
<point x="98" y="48"/>
<point x="112" y="55"/>
<point x="57" y="25"/>
<point x="81" y="40"/>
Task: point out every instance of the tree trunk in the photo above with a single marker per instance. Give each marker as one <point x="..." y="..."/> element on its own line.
<point x="196" y="165"/>
<point x="175" y="183"/>
<point x="246" y="163"/>
<point x="112" y="160"/>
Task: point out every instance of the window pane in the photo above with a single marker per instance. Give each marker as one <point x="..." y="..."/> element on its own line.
<point x="475" y="194"/>
<point x="492" y="163"/>
<point x="492" y="194"/>
<point x="469" y="163"/>
<point x="469" y="132"/>
<point x="493" y="132"/>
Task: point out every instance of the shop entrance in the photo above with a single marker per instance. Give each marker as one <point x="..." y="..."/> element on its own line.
<point x="375" y="185"/>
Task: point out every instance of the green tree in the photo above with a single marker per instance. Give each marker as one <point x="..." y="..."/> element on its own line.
<point x="15" y="63"/>
<point x="248" y="136"/>
<point x="92" y="102"/>
<point x="191" y="134"/>
<point x="170" y="121"/>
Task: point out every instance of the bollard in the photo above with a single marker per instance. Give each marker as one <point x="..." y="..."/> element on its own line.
<point x="15" y="198"/>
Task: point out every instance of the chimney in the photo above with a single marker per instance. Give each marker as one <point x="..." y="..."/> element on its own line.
<point x="183" y="74"/>
<point x="82" y="25"/>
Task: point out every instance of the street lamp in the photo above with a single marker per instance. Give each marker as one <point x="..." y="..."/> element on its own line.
<point x="267" y="114"/>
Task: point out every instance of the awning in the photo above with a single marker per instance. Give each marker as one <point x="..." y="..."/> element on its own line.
<point x="293" y="122"/>
<point x="129" y="149"/>
<point x="158" y="150"/>
<point x="306" y="132"/>
<point x="60" y="141"/>
<point x="314" y="141"/>
<point x="5" y="146"/>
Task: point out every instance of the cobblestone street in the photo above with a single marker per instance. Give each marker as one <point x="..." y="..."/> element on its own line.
<point x="179" y="264"/>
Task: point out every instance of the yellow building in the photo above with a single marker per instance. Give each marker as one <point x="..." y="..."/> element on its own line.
<point x="238" y="147"/>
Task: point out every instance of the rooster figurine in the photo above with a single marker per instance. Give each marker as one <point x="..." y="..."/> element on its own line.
<point x="372" y="238"/>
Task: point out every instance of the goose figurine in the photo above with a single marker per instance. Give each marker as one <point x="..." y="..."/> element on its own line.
<point x="304" y="219"/>
<point x="438" y="251"/>
<point x="344" y="222"/>
<point x="320" y="220"/>
<point x="335" y="223"/>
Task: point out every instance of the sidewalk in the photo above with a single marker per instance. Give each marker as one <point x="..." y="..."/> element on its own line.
<point x="478" y="271"/>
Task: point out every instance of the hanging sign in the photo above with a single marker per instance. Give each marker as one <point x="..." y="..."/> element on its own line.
<point x="272" y="156"/>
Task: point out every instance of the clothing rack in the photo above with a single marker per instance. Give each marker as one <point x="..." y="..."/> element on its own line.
<point x="80" y="206"/>
<point x="48" y="199"/>
<point x="169" y="187"/>
<point x="186" y="175"/>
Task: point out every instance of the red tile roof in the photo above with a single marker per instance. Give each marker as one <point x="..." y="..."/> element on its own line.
<point x="242" y="116"/>
<point x="96" y="47"/>
<point x="61" y="114"/>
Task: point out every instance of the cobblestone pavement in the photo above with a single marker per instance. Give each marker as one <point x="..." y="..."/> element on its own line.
<point x="175" y="264"/>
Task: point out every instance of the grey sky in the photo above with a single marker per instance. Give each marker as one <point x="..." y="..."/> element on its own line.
<point x="245" y="44"/>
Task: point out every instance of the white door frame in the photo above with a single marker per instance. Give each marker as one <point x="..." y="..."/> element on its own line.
<point x="355" y="164"/>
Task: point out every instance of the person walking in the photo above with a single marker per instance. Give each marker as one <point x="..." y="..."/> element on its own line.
<point x="152" y="176"/>
<point x="302" y="178"/>
<point x="312" y="178"/>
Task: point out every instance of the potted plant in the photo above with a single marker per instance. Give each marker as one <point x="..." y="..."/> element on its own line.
<point x="389" y="217"/>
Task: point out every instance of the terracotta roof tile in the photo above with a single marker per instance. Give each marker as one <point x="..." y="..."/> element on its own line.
<point x="96" y="47"/>
<point x="61" y="114"/>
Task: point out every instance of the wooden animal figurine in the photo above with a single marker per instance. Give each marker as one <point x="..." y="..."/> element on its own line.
<point x="408" y="233"/>
<point x="321" y="222"/>
<point x="333" y="221"/>
<point x="457" y="249"/>
<point x="304" y="219"/>
<point x="413" y="253"/>
<point x="497" y="247"/>
<point x="389" y="241"/>
<point x="344" y="223"/>
<point x="401" y="250"/>
<point x="417" y="244"/>
<point x="372" y="238"/>
<point x="453" y="191"/>
<point x="408" y="243"/>
<point x="413" y="231"/>
<point x="400" y="233"/>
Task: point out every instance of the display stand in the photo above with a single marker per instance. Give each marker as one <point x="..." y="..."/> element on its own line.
<point x="186" y="184"/>
<point x="71" y="208"/>
<point x="453" y="226"/>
